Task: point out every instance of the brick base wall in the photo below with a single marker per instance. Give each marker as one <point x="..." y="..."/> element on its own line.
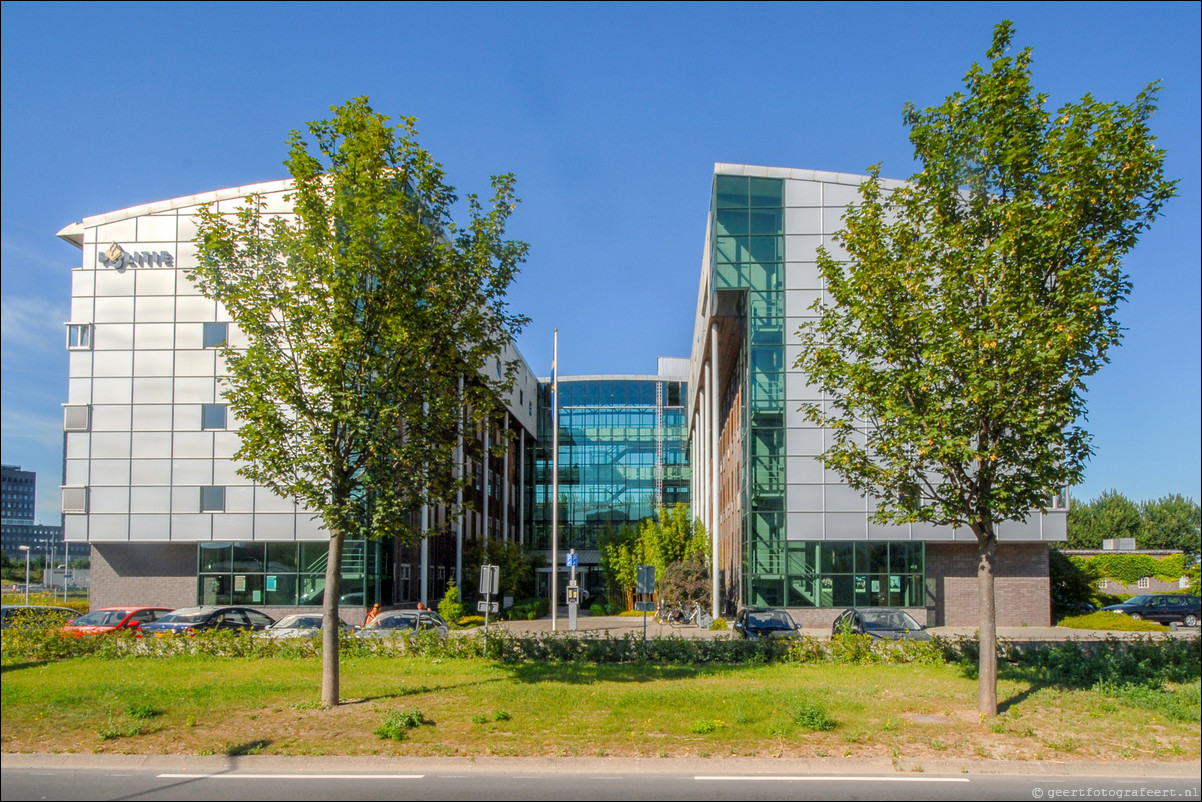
<point x="1021" y="586"/>
<point x="154" y="574"/>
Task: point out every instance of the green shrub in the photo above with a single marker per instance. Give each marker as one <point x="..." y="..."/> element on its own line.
<point x="596" y="609"/>
<point x="451" y="608"/>
<point x="810" y="715"/>
<point x="706" y="726"/>
<point x="1116" y="622"/>
<point x="719" y="625"/>
<point x="397" y="724"/>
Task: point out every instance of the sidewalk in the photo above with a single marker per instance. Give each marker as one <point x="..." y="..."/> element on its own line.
<point x="619" y="626"/>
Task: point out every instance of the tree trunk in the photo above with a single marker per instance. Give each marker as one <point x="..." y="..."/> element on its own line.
<point x="330" y="619"/>
<point x="987" y="625"/>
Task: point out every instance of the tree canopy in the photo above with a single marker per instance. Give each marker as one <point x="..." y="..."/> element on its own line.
<point x="364" y="309"/>
<point x="969" y="305"/>
<point x="669" y="539"/>
<point x="1169" y="522"/>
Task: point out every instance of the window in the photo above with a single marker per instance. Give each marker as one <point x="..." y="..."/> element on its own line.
<point x="212" y="499"/>
<point x="79" y="336"/>
<point x="1145" y="582"/>
<point x="212" y="416"/>
<point x="76" y="417"/>
<point x="75" y="499"/>
<point x="216" y="334"/>
<point x="1103" y="584"/>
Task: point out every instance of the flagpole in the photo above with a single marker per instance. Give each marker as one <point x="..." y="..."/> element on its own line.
<point x="555" y="483"/>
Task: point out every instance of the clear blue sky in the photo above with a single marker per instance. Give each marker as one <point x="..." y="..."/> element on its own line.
<point x="611" y="116"/>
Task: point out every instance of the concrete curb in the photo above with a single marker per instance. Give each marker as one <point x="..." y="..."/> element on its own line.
<point x="709" y="766"/>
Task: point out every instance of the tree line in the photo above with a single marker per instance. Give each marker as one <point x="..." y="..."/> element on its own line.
<point x="1170" y="522"/>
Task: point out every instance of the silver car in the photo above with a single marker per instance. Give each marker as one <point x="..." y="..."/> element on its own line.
<point x="398" y="622"/>
<point x="299" y="625"/>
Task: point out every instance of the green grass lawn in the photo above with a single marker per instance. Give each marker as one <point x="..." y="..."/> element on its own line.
<point x="474" y="706"/>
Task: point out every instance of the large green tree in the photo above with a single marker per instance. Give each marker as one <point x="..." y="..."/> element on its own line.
<point x="364" y="312"/>
<point x="975" y="300"/>
<point x="1110" y="515"/>
<point x="1171" y="522"/>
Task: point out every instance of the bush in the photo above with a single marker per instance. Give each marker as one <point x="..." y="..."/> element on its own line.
<point x="810" y="715"/>
<point x="451" y="608"/>
<point x="397" y="724"/>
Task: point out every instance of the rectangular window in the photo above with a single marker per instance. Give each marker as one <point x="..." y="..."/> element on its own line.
<point x="76" y="417"/>
<point x="212" y="416"/>
<point x="215" y="334"/>
<point x="212" y="499"/>
<point x="79" y="336"/>
<point x="1103" y="584"/>
<point x="1145" y="582"/>
<point x="75" y="499"/>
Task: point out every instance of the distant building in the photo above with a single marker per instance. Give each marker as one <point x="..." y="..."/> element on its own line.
<point x="18" y="524"/>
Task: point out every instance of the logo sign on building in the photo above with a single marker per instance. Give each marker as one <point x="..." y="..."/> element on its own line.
<point x="118" y="258"/>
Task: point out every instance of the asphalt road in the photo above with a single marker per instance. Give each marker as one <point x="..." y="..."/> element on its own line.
<point x="105" y="777"/>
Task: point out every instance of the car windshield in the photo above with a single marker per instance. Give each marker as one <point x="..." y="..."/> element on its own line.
<point x="100" y="618"/>
<point x="299" y="621"/>
<point x="185" y="617"/>
<point x="889" y="619"/>
<point x="773" y="619"/>
<point x="394" y="622"/>
<point x="1138" y="600"/>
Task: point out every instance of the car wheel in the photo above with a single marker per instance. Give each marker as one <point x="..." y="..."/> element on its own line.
<point x="1191" y="620"/>
<point x="1136" y="616"/>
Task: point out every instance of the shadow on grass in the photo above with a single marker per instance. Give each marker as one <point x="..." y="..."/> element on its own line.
<point x="7" y="667"/>
<point x="588" y="673"/>
<point x="250" y="748"/>
<point x="401" y="693"/>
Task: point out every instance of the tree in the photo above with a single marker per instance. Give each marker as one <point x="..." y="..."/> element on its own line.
<point x="1172" y="522"/>
<point x="667" y="539"/>
<point x="1109" y="516"/>
<point x="362" y="312"/>
<point x="974" y="302"/>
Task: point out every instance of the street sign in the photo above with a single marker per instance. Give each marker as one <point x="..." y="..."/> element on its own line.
<point x="644" y="607"/>
<point x="489" y="582"/>
<point x="486" y="607"/>
<point x="573" y="559"/>
<point x="645" y="580"/>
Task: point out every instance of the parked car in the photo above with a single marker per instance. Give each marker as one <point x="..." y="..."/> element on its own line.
<point x="190" y="620"/>
<point x="20" y="616"/>
<point x="880" y="623"/>
<point x="112" y="619"/>
<point x="299" y="625"/>
<point x="1163" y="608"/>
<point x="754" y="623"/>
<point x="397" y="622"/>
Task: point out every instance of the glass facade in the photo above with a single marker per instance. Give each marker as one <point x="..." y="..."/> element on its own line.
<point x="843" y="574"/>
<point x="622" y="454"/>
<point x="748" y="260"/>
<point x="285" y="574"/>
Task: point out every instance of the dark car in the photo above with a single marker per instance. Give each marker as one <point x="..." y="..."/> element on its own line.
<point x="755" y="623"/>
<point x="398" y="622"/>
<point x="190" y="620"/>
<point x="1163" y="608"/>
<point x="113" y="619"/>
<point x="879" y="623"/>
<point x="21" y="616"/>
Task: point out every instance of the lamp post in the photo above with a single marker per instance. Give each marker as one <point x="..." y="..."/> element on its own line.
<point x="26" y="550"/>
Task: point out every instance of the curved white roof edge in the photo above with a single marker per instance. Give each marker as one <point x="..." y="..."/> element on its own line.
<point x="186" y="201"/>
<point x="760" y="171"/>
<point x="650" y="377"/>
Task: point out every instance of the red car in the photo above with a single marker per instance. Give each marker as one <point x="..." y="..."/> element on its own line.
<point x="113" y="619"/>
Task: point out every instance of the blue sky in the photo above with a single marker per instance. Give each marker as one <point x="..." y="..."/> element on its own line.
<point x="611" y="116"/>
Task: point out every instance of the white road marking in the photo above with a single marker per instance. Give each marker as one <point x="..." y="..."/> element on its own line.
<point x="784" y="778"/>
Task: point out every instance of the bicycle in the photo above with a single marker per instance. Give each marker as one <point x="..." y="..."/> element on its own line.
<point x="697" y="617"/>
<point x="668" y="614"/>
